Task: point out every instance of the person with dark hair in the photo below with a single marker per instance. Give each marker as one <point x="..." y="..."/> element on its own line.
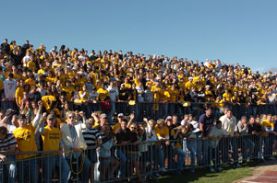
<point x="247" y="144"/>
<point x="123" y="139"/>
<point x="25" y="136"/>
<point x="256" y="130"/>
<point x="206" y="122"/>
<point x="7" y="156"/>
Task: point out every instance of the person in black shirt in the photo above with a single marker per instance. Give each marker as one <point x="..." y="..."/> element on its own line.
<point x="133" y="150"/>
<point x="206" y="122"/>
<point x="122" y="138"/>
<point x="256" y="130"/>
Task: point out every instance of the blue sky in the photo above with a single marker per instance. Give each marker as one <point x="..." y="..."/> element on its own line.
<point x="235" y="31"/>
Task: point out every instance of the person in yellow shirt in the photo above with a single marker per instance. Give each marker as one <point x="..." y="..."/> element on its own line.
<point x="68" y="89"/>
<point x="103" y="93"/>
<point x="162" y="133"/>
<point x="25" y="137"/>
<point x="51" y="140"/>
<point x="82" y="96"/>
<point x="268" y="123"/>
<point x="30" y="80"/>
<point x="116" y="127"/>
<point x="189" y="84"/>
<point x="19" y="93"/>
<point x="227" y="96"/>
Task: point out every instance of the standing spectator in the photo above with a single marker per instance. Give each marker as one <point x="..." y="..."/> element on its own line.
<point x="132" y="150"/>
<point x="114" y="93"/>
<point x="25" y="136"/>
<point x="148" y="99"/>
<point x="229" y="123"/>
<point x="74" y="144"/>
<point x="206" y="122"/>
<point x="247" y="143"/>
<point x="256" y="130"/>
<point x="215" y="134"/>
<point x="268" y="125"/>
<point x="108" y="164"/>
<point x="162" y="133"/>
<point x="51" y="138"/>
<point x="9" y="90"/>
<point x="7" y="157"/>
<point x="152" y="141"/>
<point x="9" y="120"/>
<point x="122" y="138"/>
<point x="91" y="136"/>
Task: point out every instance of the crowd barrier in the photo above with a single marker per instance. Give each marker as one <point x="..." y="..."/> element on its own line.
<point x="139" y="162"/>
<point x="161" y="110"/>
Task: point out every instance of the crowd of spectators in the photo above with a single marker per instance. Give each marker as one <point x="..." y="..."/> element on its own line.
<point x="127" y="148"/>
<point x="42" y="84"/>
<point x="63" y="75"/>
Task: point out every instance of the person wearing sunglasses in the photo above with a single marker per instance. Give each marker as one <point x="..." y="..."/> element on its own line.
<point x="74" y="144"/>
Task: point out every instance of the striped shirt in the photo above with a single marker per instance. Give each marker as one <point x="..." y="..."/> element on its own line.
<point x="7" y="142"/>
<point x="91" y="135"/>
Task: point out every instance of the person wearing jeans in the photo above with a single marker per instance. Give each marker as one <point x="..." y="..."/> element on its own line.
<point x="25" y="136"/>
<point x="51" y="138"/>
<point x="74" y="145"/>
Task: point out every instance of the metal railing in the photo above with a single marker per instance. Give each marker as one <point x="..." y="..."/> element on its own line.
<point x="140" y="162"/>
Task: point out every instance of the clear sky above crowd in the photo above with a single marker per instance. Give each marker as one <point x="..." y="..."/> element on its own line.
<point x="237" y="31"/>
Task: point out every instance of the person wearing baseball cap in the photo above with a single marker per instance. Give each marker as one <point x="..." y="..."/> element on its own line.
<point x="103" y="119"/>
<point x="51" y="140"/>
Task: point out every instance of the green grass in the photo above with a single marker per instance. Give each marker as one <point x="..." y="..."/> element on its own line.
<point x="203" y="176"/>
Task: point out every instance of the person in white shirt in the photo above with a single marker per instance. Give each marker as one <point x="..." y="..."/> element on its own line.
<point x="229" y="124"/>
<point x="215" y="135"/>
<point x="74" y="144"/>
<point x="114" y="93"/>
<point x="10" y="85"/>
<point x="26" y="58"/>
<point x="247" y="144"/>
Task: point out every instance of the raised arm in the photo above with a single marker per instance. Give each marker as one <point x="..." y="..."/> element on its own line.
<point x="38" y="116"/>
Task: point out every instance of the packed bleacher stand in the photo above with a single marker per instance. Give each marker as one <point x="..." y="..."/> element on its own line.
<point x="63" y="108"/>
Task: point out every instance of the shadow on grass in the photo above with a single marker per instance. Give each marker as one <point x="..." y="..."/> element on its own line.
<point x="203" y="175"/>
